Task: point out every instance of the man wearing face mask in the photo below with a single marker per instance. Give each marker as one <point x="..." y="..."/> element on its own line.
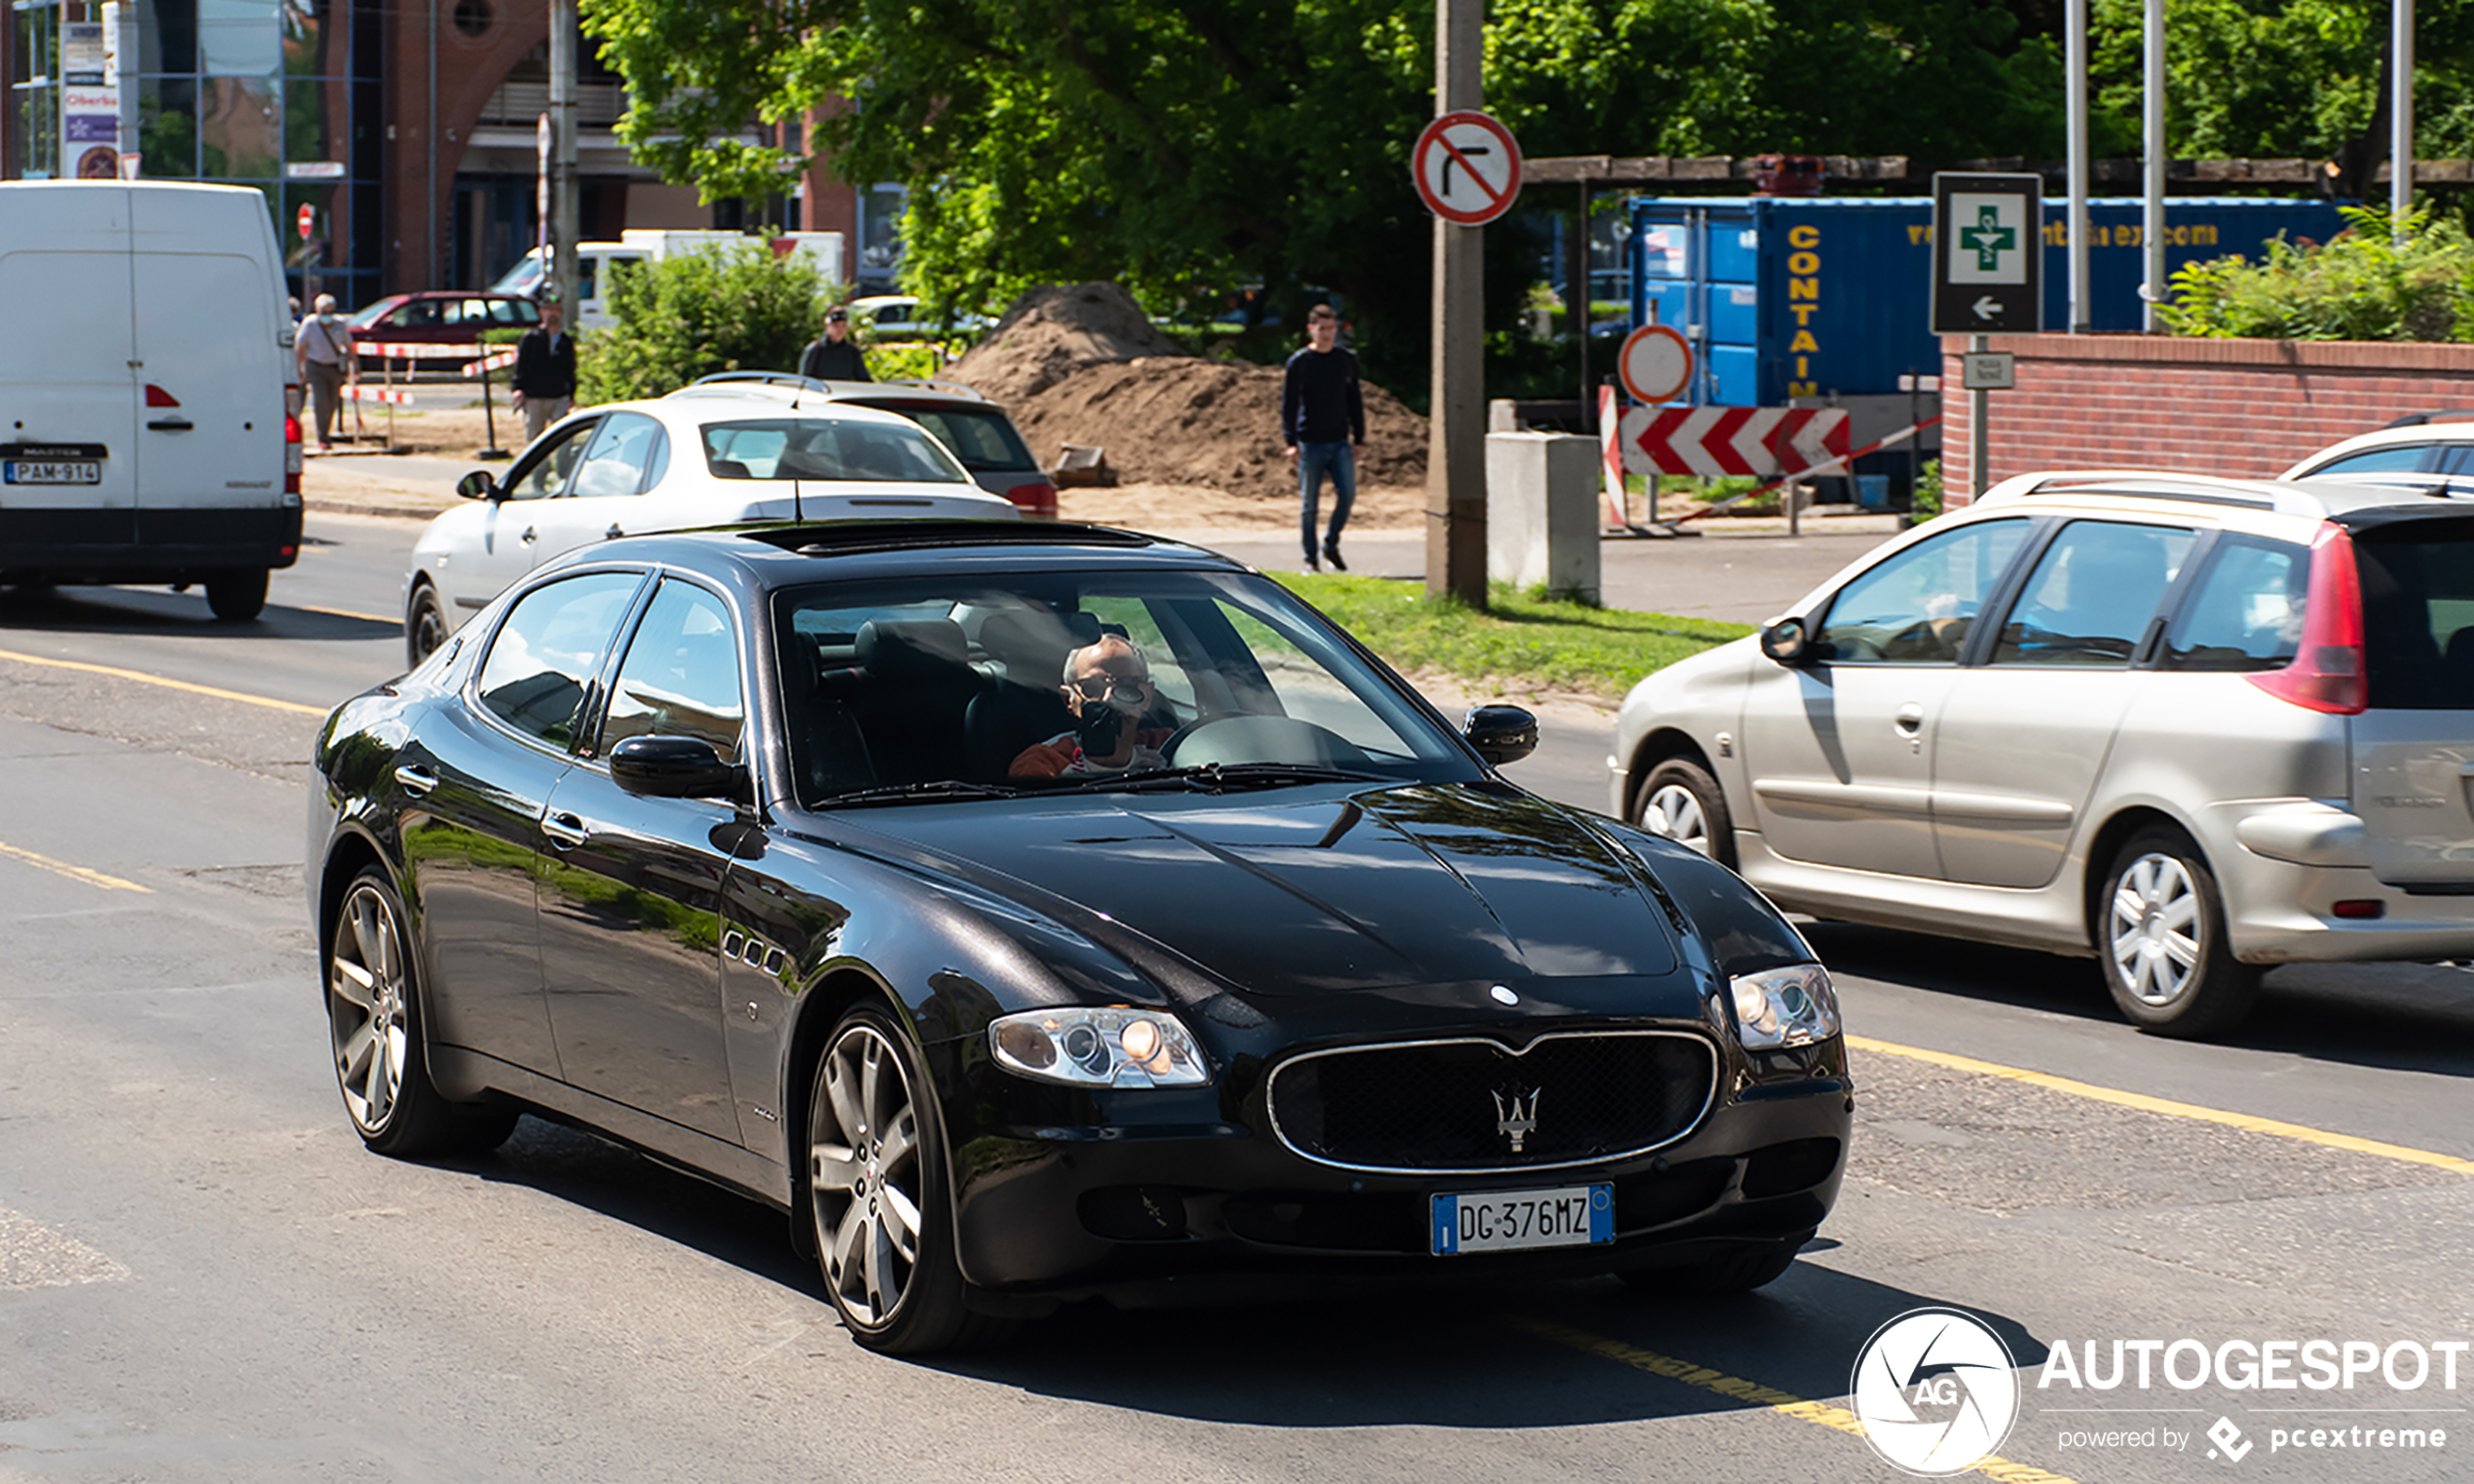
<point x="1107" y="686"/>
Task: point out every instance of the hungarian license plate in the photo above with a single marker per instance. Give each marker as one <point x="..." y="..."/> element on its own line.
<point x="55" y="471"/>
<point x="1513" y="1220"/>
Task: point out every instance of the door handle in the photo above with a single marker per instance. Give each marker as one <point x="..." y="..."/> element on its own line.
<point x="171" y="425"/>
<point x="417" y="780"/>
<point x="1910" y="720"/>
<point x="565" y="828"/>
<point x="529" y="536"/>
<point x="613" y="532"/>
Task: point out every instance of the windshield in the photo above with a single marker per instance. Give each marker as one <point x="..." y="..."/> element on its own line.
<point x="523" y="277"/>
<point x="996" y="686"/>
<point x="827" y="448"/>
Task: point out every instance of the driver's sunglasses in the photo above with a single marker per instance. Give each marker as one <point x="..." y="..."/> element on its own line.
<point x="1100" y="687"/>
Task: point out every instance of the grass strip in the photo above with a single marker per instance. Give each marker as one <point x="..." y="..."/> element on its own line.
<point x="1540" y="641"/>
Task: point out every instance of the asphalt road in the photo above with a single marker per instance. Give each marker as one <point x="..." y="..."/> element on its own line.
<point x="204" y="1277"/>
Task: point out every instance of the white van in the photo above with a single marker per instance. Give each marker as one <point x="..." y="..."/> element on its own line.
<point x="639" y="245"/>
<point x="146" y="409"/>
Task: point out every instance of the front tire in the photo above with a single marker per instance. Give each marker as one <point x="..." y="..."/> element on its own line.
<point x="426" y="625"/>
<point x="1681" y="802"/>
<point x="373" y="1016"/>
<point x="237" y="597"/>
<point x="2160" y="937"/>
<point x="877" y="1186"/>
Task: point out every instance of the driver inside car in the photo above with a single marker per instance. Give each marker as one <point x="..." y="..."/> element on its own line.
<point x="1107" y="686"/>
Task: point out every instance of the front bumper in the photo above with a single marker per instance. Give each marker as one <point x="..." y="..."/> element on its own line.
<point x="1187" y="1201"/>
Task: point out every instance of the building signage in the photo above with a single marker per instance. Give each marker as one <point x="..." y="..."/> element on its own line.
<point x="1988" y="258"/>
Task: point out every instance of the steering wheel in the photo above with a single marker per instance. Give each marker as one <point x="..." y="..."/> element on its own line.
<point x="1261" y="739"/>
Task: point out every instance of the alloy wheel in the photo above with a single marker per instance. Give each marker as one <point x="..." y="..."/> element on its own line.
<point x="2153" y="928"/>
<point x="864" y="1166"/>
<point x="1673" y="813"/>
<point x="365" y="992"/>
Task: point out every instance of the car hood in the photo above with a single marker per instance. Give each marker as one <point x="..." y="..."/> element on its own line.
<point x="1307" y="893"/>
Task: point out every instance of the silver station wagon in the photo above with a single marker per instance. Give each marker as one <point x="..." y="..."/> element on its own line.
<point x="2190" y="726"/>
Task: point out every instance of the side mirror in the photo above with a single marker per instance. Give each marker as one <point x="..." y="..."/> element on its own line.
<point x="675" y="767"/>
<point x="1501" y="734"/>
<point x="478" y="485"/>
<point x="1784" y="639"/>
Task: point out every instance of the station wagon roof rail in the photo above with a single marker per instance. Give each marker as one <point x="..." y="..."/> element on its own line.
<point x="2318" y="498"/>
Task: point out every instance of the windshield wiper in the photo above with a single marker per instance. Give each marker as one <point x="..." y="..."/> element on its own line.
<point x="1217" y="777"/>
<point x="915" y="793"/>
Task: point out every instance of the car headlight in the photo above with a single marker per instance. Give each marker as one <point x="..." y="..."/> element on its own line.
<point x="1793" y="1005"/>
<point x="1099" y="1048"/>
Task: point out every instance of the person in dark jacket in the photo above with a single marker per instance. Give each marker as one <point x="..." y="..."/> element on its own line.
<point x="834" y="357"/>
<point x="544" y="373"/>
<point x="1323" y="420"/>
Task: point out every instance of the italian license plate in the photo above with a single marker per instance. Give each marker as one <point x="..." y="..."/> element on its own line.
<point x="1514" y="1221"/>
<point x="61" y="471"/>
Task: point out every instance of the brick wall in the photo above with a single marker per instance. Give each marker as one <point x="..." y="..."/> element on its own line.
<point x="2244" y="408"/>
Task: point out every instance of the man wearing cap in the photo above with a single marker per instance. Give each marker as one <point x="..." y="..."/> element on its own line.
<point x="836" y="356"/>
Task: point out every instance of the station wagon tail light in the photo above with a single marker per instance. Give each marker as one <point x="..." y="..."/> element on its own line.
<point x="1036" y="499"/>
<point x="1099" y="1048"/>
<point x="2328" y="671"/>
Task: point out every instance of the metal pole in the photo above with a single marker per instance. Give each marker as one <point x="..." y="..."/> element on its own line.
<point x="2152" y="242"/>
<point x="2401" y="120"/>
<point x="562" y="192"/>
<point x="1979" y="436"/>
<point x="1457" y="447"/>
<point x="1576" y="281"/>
<point x="2074" y="24"/>
<point x="429" y="137"/>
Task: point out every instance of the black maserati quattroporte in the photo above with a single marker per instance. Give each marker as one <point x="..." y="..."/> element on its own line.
<point x="1044" y="912"/>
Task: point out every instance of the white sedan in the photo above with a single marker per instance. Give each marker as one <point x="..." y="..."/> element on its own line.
<point x="629" y="467"/>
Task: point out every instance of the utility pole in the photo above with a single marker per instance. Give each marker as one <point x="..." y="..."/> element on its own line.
<point x="2152" y="223"/>
<point x="562" y="167"/>
<point x="1456" y="426"/>
<point x="2075" y="126"/>
<point x="2401" y="119"/>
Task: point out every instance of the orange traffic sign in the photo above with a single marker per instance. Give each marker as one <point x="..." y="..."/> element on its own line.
<point x="1655" y="363"/>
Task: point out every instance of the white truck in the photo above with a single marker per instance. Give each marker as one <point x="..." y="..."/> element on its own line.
<point x="639" y="245"/>
<point x="148" y="416"/>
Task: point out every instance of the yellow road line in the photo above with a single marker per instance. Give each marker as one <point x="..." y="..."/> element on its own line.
<point x="157" y="680"/>
<point x="345" y="612"/>
<point x="1735" y="1387"/>
<point x="2166" y="1106"/>
<point x="73" y="872"/>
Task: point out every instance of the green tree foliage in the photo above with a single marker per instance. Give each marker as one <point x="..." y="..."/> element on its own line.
<point x="735" y="309"/>
<point x="1188" y="147"/>
<point x="2361" y="285"/>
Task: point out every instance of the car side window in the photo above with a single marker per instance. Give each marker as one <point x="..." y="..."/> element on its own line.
<point x="1916" y="607"/>
<point x="540" y="670"/>
<point x="419" y="314"/>
<point x="2396" y="458"/>
<point x="2092" y="595"/>
<point x="2246" y="610"/>
<point x="617" y="462"/>
<point x="2458" y="459"/>
<point x="680" y="677"/>
<point x="544" y="474"/>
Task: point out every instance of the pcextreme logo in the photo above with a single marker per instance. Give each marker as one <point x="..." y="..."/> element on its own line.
<point x="1937" y="1391"/>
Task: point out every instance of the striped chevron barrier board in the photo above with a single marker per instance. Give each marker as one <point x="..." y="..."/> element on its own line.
<point x="498" y="362"/>
<point x="1731" y="441"/>
<point x="361" y="394"/>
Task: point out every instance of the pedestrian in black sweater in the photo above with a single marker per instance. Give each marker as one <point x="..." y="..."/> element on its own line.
<point x="835" y="357"/>
<point x="1323" y="420"/>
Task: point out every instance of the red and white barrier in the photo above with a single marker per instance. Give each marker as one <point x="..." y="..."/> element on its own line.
<point x="413" y="350"/>
<point x="1729" y="441"/>
<point x="488" y="363"/>
<point x="360" y="393"/>
<point x="1814" y="471"/>
<point x="1610" y="458"/>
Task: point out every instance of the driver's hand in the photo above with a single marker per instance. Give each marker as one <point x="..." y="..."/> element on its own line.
<point x="1042" y="759"/>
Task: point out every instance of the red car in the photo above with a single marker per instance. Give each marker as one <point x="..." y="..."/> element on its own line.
<point x="440" y="316"/>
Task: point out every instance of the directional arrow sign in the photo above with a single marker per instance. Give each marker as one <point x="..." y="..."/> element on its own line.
<point x="1988" y="254"/>
<point x="1729" y="441"/>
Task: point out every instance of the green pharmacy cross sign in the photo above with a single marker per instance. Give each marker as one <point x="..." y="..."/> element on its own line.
<point x="1988" y="254"/>
<point x="1988" y="239"/>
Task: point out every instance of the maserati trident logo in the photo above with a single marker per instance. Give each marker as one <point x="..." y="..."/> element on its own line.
<point x="1515" y="1120"/>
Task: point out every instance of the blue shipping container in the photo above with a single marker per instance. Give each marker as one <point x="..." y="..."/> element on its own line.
<point x="1788" y="298"/>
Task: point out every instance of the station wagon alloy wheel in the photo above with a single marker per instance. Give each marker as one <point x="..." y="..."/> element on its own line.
<point x="2155" y="928"/>
<point x="1681" y="802"/>
<point x="2163" y="942"/>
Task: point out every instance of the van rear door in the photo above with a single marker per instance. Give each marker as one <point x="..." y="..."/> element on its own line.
<point x="211" y="373"/>
<point x="68" y="404"/>
<point x="2414" y="748"/>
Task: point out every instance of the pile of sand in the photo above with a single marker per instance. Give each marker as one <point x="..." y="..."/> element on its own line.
<point x="1083" y="365"/>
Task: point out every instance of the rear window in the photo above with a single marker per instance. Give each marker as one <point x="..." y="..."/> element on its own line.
<point x="2396" y="458"/>
<point x="982" y="437"/>
<point x="2245" y="611"/>
<point x="815" y="448"/>
<point x="2418" y="613"/>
